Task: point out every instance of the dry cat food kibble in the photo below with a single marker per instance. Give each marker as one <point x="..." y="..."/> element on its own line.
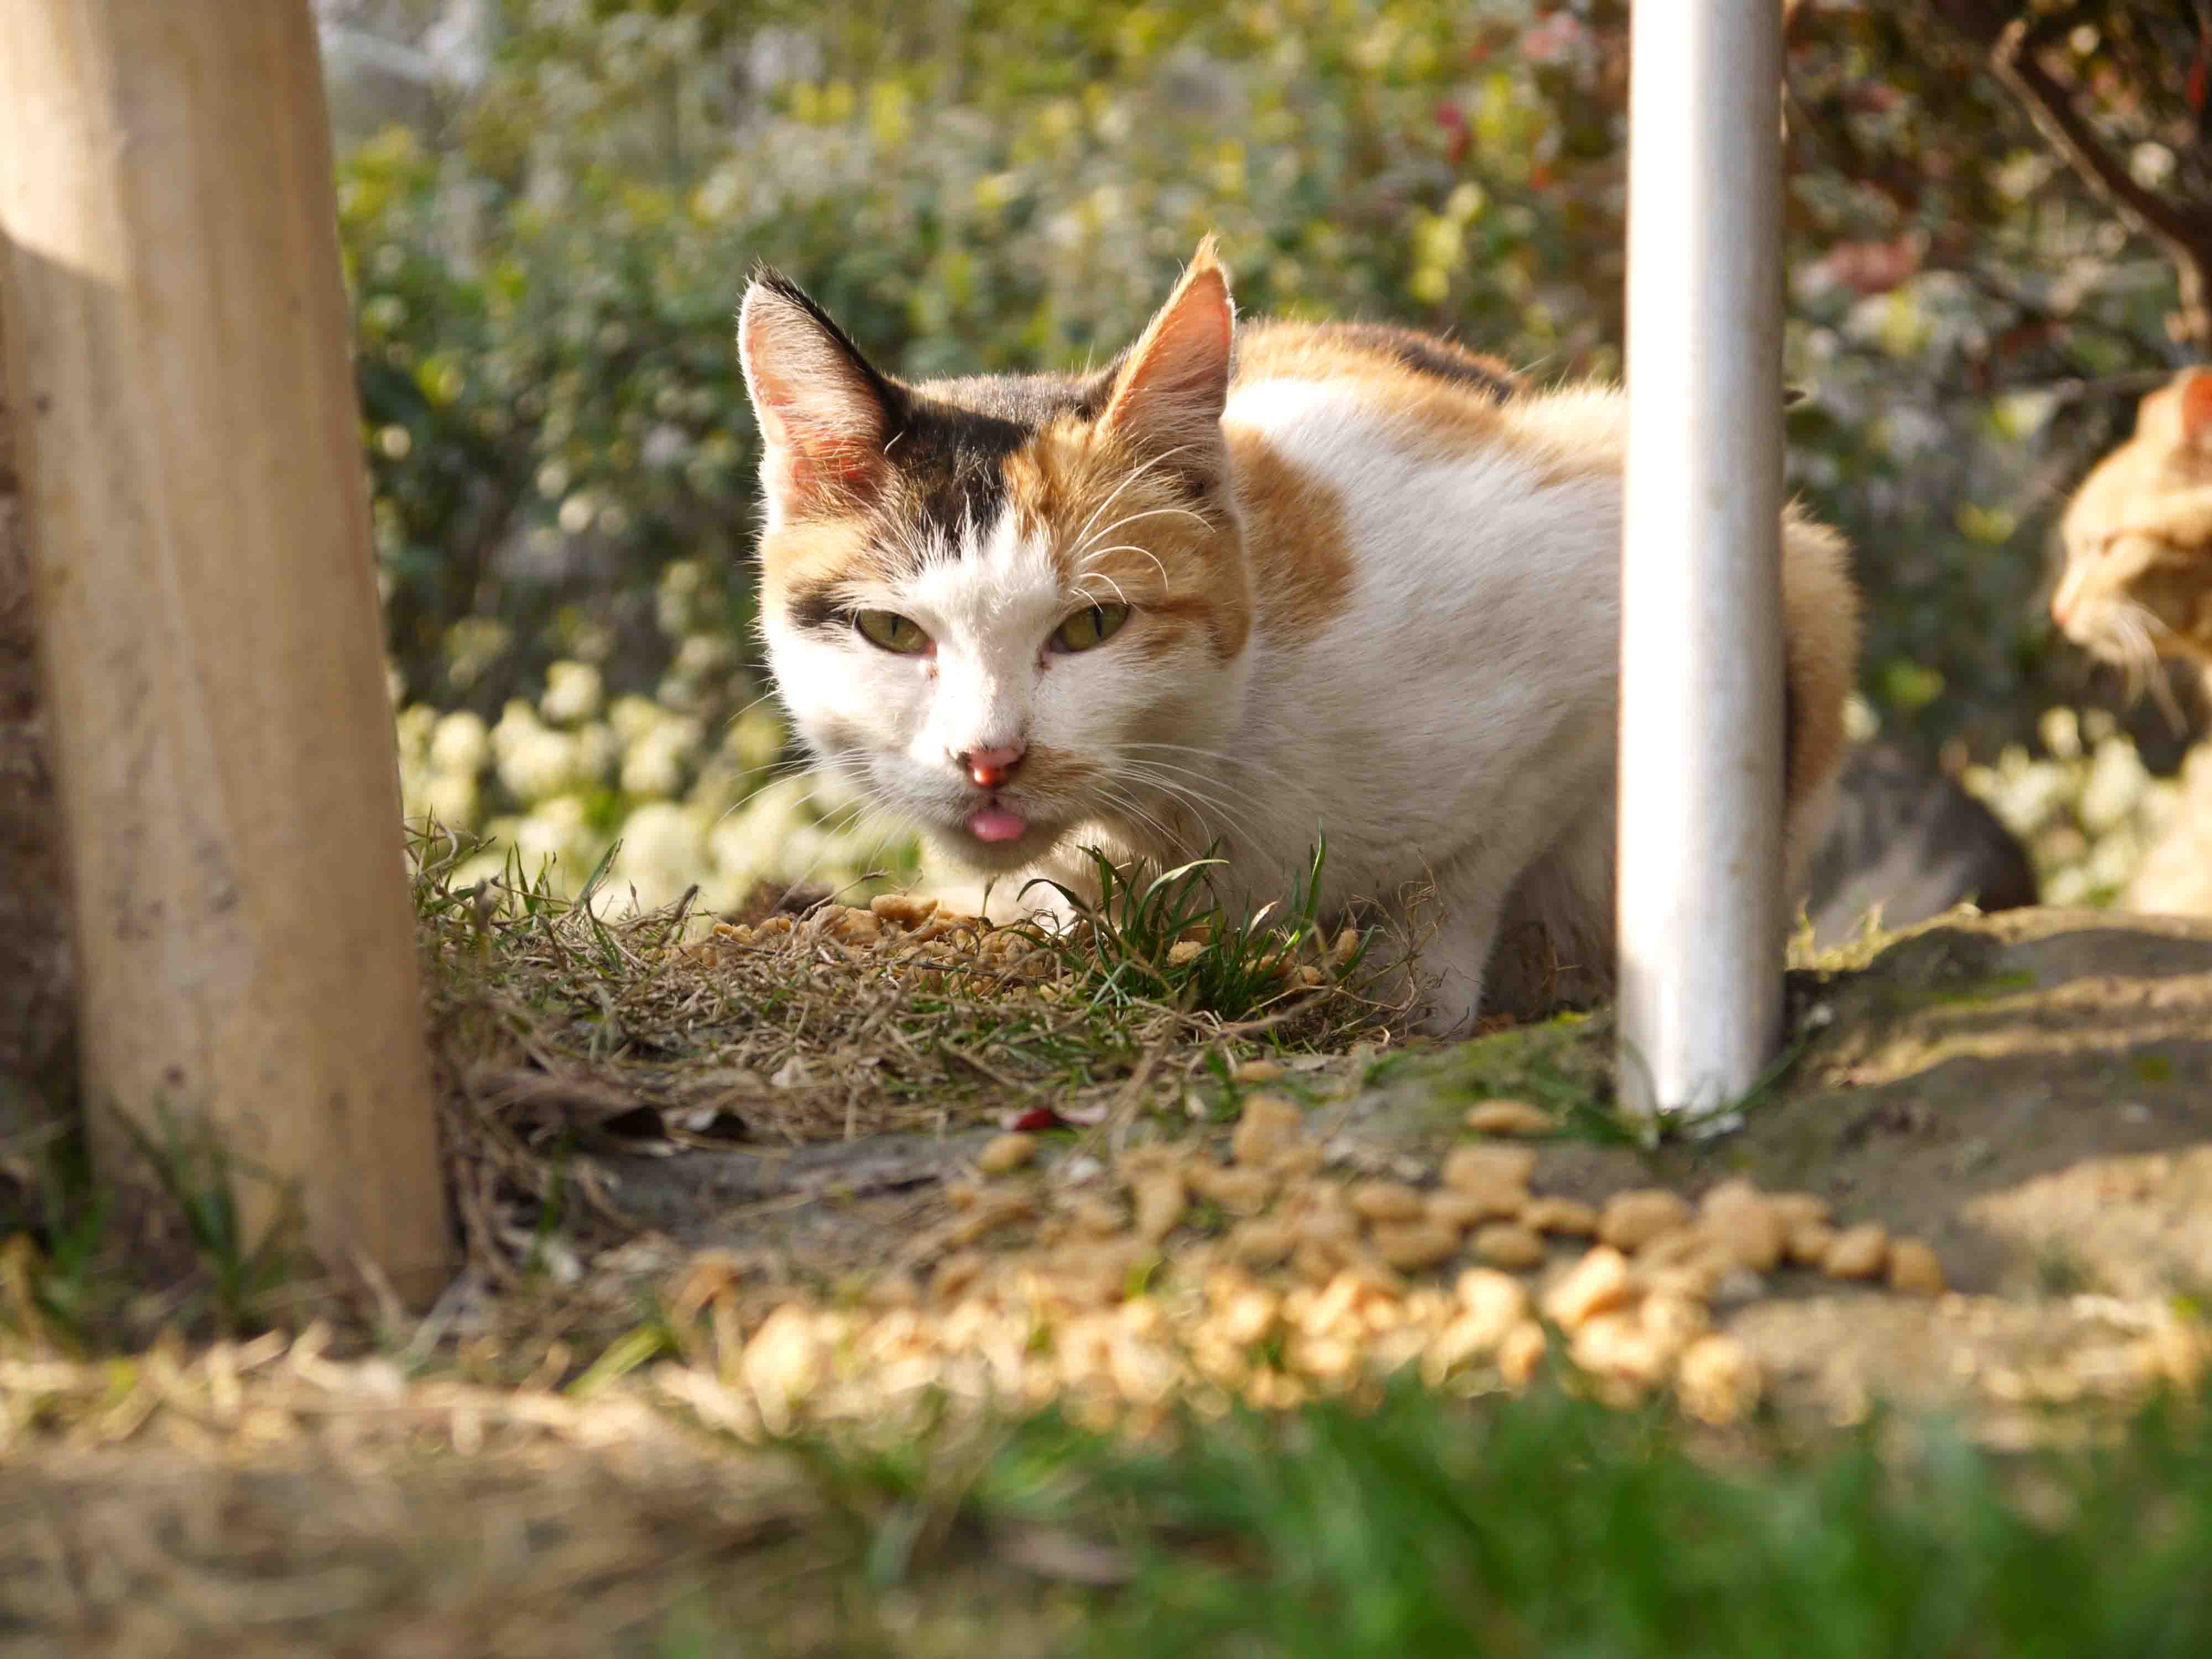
<point x="1386" y="1200"/>
<point x="1809" y="1241"/>
<point x="1465" y="1209"/>
<point x="1632" y="1219"/>
<point x="1857" y="1252"/>
<point x="1240" y="1191"/>
<point x="904" y="909"/>
<point x="1914" y="1269"/>
<point x="1161" y="1202"/>
<point x="1274" y="1278"/>
<point x="1569" y="1217"/>
<point x="1508" y="1244"/>
<point x="1509" y="1117"/>
<point x="1480" y="1169"/>
<point x="1752" y="1231"/>
<point x="1718" y="1379"/>
<point x="1415" y="1245"/>
<point x="1006" y="1154"/>
<point x="1601" y="1281"/>
<point x="1267" y="1129"/>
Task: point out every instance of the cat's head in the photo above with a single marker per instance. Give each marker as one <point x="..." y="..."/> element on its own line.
<point x="2138" y="579"/>
<point x="985" y="598"/>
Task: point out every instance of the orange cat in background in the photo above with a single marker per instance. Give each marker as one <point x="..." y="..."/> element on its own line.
<point x="2139" y="538"/>
<point x="2138" y="587"/>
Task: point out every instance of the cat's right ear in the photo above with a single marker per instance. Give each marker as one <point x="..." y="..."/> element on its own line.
<point x="826" y="416"/>
<point x="1169" y="388"/>
<point x="2193" y="401"/>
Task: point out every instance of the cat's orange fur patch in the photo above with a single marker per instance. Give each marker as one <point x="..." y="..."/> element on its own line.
<point x="1298" y="538"/>
<point x="817" y="552"/>
<point x="1122" y="529"/>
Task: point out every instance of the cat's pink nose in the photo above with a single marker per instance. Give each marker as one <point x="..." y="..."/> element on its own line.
<point x="987" y="768"/>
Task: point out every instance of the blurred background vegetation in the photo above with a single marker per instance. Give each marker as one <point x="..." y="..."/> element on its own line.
<point x="549" y="206"/>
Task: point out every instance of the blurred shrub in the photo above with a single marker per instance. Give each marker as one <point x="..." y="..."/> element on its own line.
<point x="545" y="276"/>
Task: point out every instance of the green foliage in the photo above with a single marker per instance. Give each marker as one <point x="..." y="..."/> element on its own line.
<point x="564" y="461"/>
<point x="200" y="1176"/>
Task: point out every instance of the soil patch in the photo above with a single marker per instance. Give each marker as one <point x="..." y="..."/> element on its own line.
<point x="2030" y="1093"/>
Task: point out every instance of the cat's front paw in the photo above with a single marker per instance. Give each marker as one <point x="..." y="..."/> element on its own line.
<point x="1448" y="1017"/>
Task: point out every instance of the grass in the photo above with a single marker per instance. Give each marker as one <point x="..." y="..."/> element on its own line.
<point x="1417" y="1525"/>
<point x="1125" y="947"/>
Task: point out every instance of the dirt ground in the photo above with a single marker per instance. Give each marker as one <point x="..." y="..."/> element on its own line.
<point x="2030" y="1093"/>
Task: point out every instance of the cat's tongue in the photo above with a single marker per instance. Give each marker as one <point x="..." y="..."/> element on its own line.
<point x="994" y="823"/>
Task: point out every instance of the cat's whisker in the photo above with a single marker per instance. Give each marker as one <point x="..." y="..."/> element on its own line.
<point x="2145" y="670"/>
<point x="1239" y="763"/>
<point x="1082" y="594"/>
<point x="1090" y="550"/>
<point x="1167" y="842"/>
<point x="1204" y="806"/>
<point x="1203" y="810"/>
<point x="1130" y="547"/>
<point x="832" y="829"/>
<point x="1098" y="512"/>
<point x="1213" y="780"/>
<point x="765" y="696"/>
<point x="781" y="772"/>
<point x="1194" y="789"/>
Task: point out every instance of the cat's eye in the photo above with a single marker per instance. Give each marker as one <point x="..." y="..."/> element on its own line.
<point x="1088" y="628"/>
<point x="891" y="632"/>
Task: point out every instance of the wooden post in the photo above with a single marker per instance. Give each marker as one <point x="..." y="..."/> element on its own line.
<point x="177" y="346"/>
<point x="1700" y="884"/>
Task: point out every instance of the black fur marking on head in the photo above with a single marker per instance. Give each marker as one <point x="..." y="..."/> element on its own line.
<point x="817" y="607"/>
<point x="950" y="454"/>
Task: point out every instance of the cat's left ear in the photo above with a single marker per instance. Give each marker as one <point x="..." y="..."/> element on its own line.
<point x="1171" y="387"/>
<point x="2194" y="404"/>
<point x="826" y="416"/>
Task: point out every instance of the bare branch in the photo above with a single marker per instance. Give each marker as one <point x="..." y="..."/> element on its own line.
<point x="2013" y="61"/>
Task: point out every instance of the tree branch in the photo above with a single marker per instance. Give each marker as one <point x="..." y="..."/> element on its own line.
<point x="2013" y="59"/>
<point x="2185" y="229"/>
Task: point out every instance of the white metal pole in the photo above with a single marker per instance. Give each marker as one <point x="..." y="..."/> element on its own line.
<point x="1701" y="919"/>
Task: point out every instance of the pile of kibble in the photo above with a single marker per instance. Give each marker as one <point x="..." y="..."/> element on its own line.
<point x="1270" y="1277"/>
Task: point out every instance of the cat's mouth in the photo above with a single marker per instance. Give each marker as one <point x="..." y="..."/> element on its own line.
<point x="1000" y="830"/>
<point x="994" y="823"/>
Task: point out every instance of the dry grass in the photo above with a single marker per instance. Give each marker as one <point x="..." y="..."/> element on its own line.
<point x="557" y="1029"/>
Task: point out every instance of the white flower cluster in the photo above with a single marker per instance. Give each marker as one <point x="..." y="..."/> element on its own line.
<point x="557" y="783"/>
<point x="2087" y="810"/>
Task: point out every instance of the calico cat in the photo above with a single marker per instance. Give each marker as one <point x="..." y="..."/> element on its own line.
<point x="1243" y="586"/>
<point x="2138" y="535"/>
